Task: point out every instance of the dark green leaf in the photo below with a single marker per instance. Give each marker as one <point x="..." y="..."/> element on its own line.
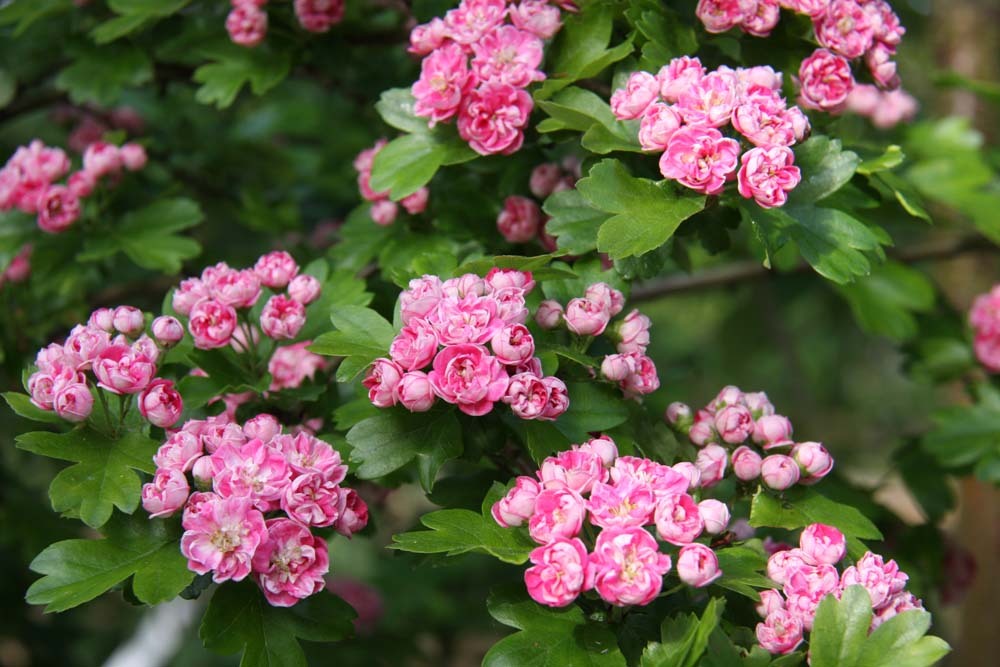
<point x="684" y="638"/>
<point x="573" y="221"/>
<point x="884" y="303"/>
<point x="825" y="168"/>
<point x="221" y="81"/>
<point x="592" y="407"/>
<point x="99" y="75"/>
<point x="741" y="571"/>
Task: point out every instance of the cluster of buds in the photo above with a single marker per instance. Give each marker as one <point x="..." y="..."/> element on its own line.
<point x="448" y="325"/>
<point x="884" y="108"/>
<point x="260" y="492"/>
<point x="247" y="20"/>
<point x="621" y="497"/>
<point x="589" y="316"/>
<point x="112" y="348"/>
<point x="219" y="301"/>
<point x="984" y="316"/>
<point x="521" y="219"/>
<point x="746" y="423"/>
<point x="683" y="110"/>
<point x="384" y="210"/>
<point x="809" y="573"/>
<point x="28" y="181"/>
<point x="487" y="93"/>
<point x="89" y="125"/>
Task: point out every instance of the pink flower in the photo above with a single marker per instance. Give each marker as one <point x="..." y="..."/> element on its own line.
<point x="253" y="470"/>
<point x="275" y="269"/>
<point x="813" y="8"/>
<point x="73" y="401"/>
<point x="845" y="28"/>
<point x="472" y="19"/>
<point x="179" y="452"/>
<point x="558" y="398"/>
<point x="770" y="601"/>
<point x="518" y="505"/>
<point x="697" y="565"/>
<point x="58" y="209"/>
<point x="415" y="345"/>
<point x="444" y="80"/>
<point x="700" y="159"/>
<point x="101" y="159"/>
<point x="536" y="16"/>
<point x="463" y="286"/>
<point x="291" y="365"/>
<point x="814" y="461"/>
<point x="987" y="349"/>
<point x="663" y="480"/>
<point x="678" y="76"/>
<point x="508" y="55"/>
<point x="415" y="392"/>
<point x="527" y="395"/>
<point x="780" y="633"/>
<point x="222" y="536"/>
<point x="282" y="318"/>
<point x="84" y="344"/>
<point x="290" y="563"/>
<point x="467" y="376"/>
<point x="20" y="266"/>
<point x="381" y="381"/>
<point x="678" y="520"/>
<point x="710" y="101"/>
<point x="306" y="455"/>
<point x="895" y="605"/>
<point x="263" y="427"/>
<point x="768" y="175"/>
<point x="246" y="24"/>
<point x="417" y="202"/>
<point x="166" y="494"/>
<point x="586" y="317"/>
<point x="577" y="470"/>
<point x="659" y="122"/>
<point x="679" y="414"/>
<point x="319" y="15"/>
<point x="420" y="299"/>
<point x="633" y="333"/>
<point x="746" y="464"/>
<point x="779" y="471"/>
<point x="616" y="367"/>
<point x="161" y="404"/>
<point x="806" y="586"/>
<point x="558" y="513"/>
<point x="626" y="567"/>
<point x="312" y="499"/>
<point x="128" y="320"/>
<point x="826" y="80"/>
<point x="823" y="544"/>
<point x="716" y="515"/>
<point x="734" y="424"/>
<point x="711" y="463"/>
<point x="558" y="573"/>
<point x="629" y="503"/>
<point x="519" y="220"/>
<point x="606" y="294"/>
<point x="702" y="429"/>
<point x="782" y="564"/>
<point x="761" y="20"/>
<point x="468" y="319"/>
<point x="493" y="116"/>
<point x="549" y="314"/>
<point x="772" y="431"/>
<point x="604" y="447"/>
<point x="545" y="176"/>
<point x="762" y="118"/>
<point x="188" y="294"/>
<point x="882" y="66"/>
<point x="133" y="156"/>
<point x="513" y="344"/>
<point x="499" y="279"/>
<point x="882" y="580"/>
<point x="643" y="378"/>
<point x="168" y="331"/>
<point x="211" y="324"/>
<point x="720" y="15"/>
<point x="122" y="371"/>
<point x="239" y="289"/>
<point x="632" y="101"/>
<point x="426" y="37"/>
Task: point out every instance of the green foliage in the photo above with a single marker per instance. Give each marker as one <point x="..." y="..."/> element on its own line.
<point x="573" y="221"/>
<point x="741" y="571"/>
<point x="77" y="571"/>
<point x="362" y="336"/>
<point x="240" y="619"/>
<point x="969" y="435"/>
<point x="886" y="303"/>
<point x="134" y="15"/>
<point x="548" y="637"/>
<point x="684" y="638"/>
<point x="99" y="75"/>
<point x="584" y="111"/>
<point x="234" y="67"/>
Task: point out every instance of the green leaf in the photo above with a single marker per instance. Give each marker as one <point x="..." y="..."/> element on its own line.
<point x="905" y="194"/>
<point x="741" y="571"/>
<point x="395" y="106"/>
<point x="840" y="629"/>
<point x="890" y="159"/>
<point x="548" y="637"/>
<point x="573" y="221"/>
<point x="99" y="75"/>
<point x="408" y="163"/>
<point x="77" y="571"/>
<point x="459" y="531"/>
<point x="884" y="303"/>
<point x="645" y="214"/>
<point x="964" y="434"/>
<point x="684" y="638"/>
<point x="132" y="15"/>
<point x="26" y="12"/>
<point x="584" y="111"/>
<point x="8" y="88"/>
<point x="239" y="618"/>
<point x="235" y="67"/>
<point x="104" y="476"/>
<point x="803" y="506"/>
<point x="362" y="334"/>
<point x="23" y="407"/>
<point x="387" y="442"/>
<point x="592" y="407"/>
<point x="542" y="439"/>
<point x="825" y="168"/>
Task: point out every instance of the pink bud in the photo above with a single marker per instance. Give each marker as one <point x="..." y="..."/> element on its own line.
<point x="275" y="269"/>
<point x="679" y="415"/>
<point x="415" y="392"/>
<point x="168" y="331"/>
<point x="161" y="404"/>
<point x="702" y="432"/>
<point x="758" y="404"/>
<point x="74" y="402"/>
<point x="263" y="427"/>
<point x="772" y="431"/>
<point x="729" y="395"/>
<point x="203" y="473"/>
<point x="604" y="447"/>
<point x="770" y="600"/>
<point x="711" y="462"/>
<point x="520" y="219"/>
<point x="716" y="515"/>
<point x="697" y="565"/>
<point x="81" y="183"/>
<point x="549" y="314"/>
<point x="518" y="505"/>
<point x="128" y="320"/>
<point x="616" y="367"/>
<point x="734" y="424"/>
<point x="608" y="295"/>
<point x="586" y="318"/>
<point x="381" y="381"/>
<point x="746" y="464"/>
<point x="779" y="472"/>
<point x="544" y="178"/>
<point x="633" y="333"/>
<point x="690" y="472"/>
<point x="384" y="212"/>
<point x="103" y="319"/>
<point x="133" y="156"/>
<point x="417" y="202"/>
<point x="814" y="461"/>
<point x="282" y="318"/>
<point x="305" y="289"/>
<point x="822" y="543"/>
<point x="513" y="344"/>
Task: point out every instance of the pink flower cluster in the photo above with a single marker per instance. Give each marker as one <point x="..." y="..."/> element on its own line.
<point x="984" y="316"/>
<point x="808" y="574"/>
<point x="292" y="365"/>
<point x="122" y="360"/>
<point x="245" y="475"/>
<point x="447" y="325"/>
<point x="19" y="268"/>
<point x="885" y="108"/>
<point x="384" y="210"/>
<point x="247" y="20"/>
<point x="846" y="29"/>
<point x="28" y="180"/>
<point x="476" y="67"/>
<point x="219" y="301"/>
<point x="682" y="109"/>
<point x="620" y="496"/>
<point x="746" y="422"/>
<point x="521" y="219"/>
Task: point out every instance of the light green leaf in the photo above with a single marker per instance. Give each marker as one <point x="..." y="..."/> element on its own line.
<point x="584" y="111"/>
<point x="132" y="15"/>
<point x="890" y="159"/>
<point x="23" y="407"/>
<point x="8" y="87"/>
<point x="395" y="106"/>
<point x="884" y="303"/>
<point x="573" y="221"/>
<point x="408" y="163"/>
<point x="840" y="629"/>
<point x="825" y="168"/>
<point x="362" y="335"/>
<point x="459" y="531"/>
<point x="235" y="67"/>
<point x="741" y="571"/>
<point x="684" y="638"/>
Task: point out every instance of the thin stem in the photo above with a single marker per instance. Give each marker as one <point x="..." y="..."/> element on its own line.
<point x="107" y="409"/>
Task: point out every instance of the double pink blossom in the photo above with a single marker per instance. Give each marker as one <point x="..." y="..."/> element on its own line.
<point x="493" y="116"/>
<point x="290" y="562"/>
<point x="697" y="565"/>
<point x="535" y="16"/>
<point x="468" y="376"/>
<point x="558" y="572"/>
<point x="160" y="403"/>
<point x="627" y="503"/>
<point x="508" y="55"/>
<point x="518" y="505"/>
<point x="626" y="567"/>
<point x="282" y="317"/>
<point x="700" y="158"/>
<point x="578" y="470"/>
<point x="211" y="324"/>
<point x="121" y="370"/>
<point x="381" y="381"/>
<point x="319" y="15"/>
<point x="253" y="470"/>
<point x="221" y="535"/>
<point x="826" y="80"/>
<point x="679" y="75"/>
<point x="444" y="80"/>
<point x="520" y="219"/>
<point x="768" y="175"/>
<point x="678" y="520"/>
<point x="638" y="94"/>
<point x="710" y="101"/>
<point x="780" y="633"/>
<point x="166" y="494"/>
